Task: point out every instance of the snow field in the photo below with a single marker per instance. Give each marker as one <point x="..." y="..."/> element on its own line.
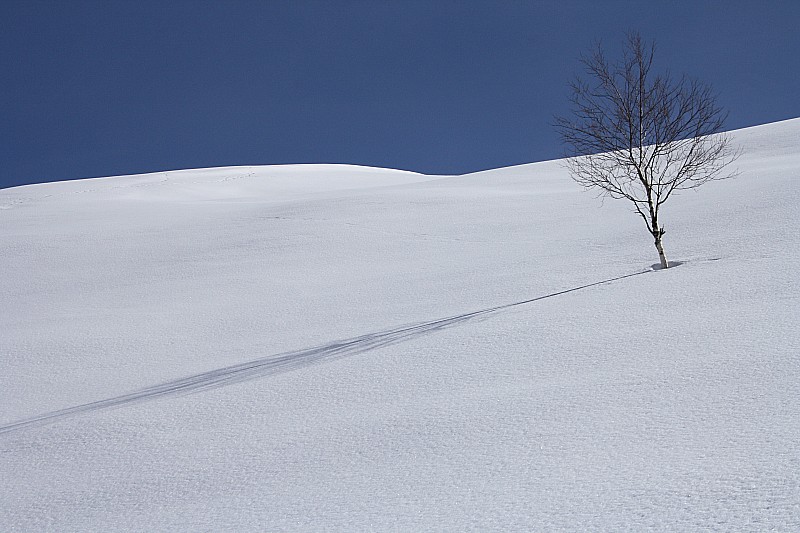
<point x="666" y="400"/>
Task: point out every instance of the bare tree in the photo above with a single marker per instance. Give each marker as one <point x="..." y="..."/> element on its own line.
<point x="640" y="136"/>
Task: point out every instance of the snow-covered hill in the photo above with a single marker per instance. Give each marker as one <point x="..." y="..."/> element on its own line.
<point x="328" y="347"/>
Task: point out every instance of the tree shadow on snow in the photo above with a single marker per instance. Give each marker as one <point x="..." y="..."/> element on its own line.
<point x="283" y="362"/>
<point x="670" y="264"/>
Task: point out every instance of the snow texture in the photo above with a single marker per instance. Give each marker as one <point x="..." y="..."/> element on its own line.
<point x="342" y="348"/>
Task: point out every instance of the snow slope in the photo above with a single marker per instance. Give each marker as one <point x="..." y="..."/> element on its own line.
<point x="339" y="348"/>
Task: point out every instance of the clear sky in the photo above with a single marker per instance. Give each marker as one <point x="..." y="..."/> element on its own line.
<point x="100" y="88"/>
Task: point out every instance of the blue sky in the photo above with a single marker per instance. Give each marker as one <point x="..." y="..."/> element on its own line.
<point x="99" y="88"/>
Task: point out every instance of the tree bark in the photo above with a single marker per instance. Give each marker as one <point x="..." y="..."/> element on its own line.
<point x="661" y="256"/>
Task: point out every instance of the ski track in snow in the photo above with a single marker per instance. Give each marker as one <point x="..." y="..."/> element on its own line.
<point x="285" y="362"/>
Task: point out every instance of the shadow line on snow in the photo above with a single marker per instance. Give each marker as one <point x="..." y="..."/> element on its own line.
<point x="283" y="362"/>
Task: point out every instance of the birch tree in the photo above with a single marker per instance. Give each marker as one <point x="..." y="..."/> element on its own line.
<point x="640" y="136"/>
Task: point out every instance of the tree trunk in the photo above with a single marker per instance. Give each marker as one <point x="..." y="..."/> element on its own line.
<point x="661" y="256"/>
<point x="656" y="231"/>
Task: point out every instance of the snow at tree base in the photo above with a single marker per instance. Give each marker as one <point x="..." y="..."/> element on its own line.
<point x="341" y="348"/>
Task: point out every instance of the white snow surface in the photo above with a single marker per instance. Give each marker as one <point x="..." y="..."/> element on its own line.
<point x="342" y="348"/>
